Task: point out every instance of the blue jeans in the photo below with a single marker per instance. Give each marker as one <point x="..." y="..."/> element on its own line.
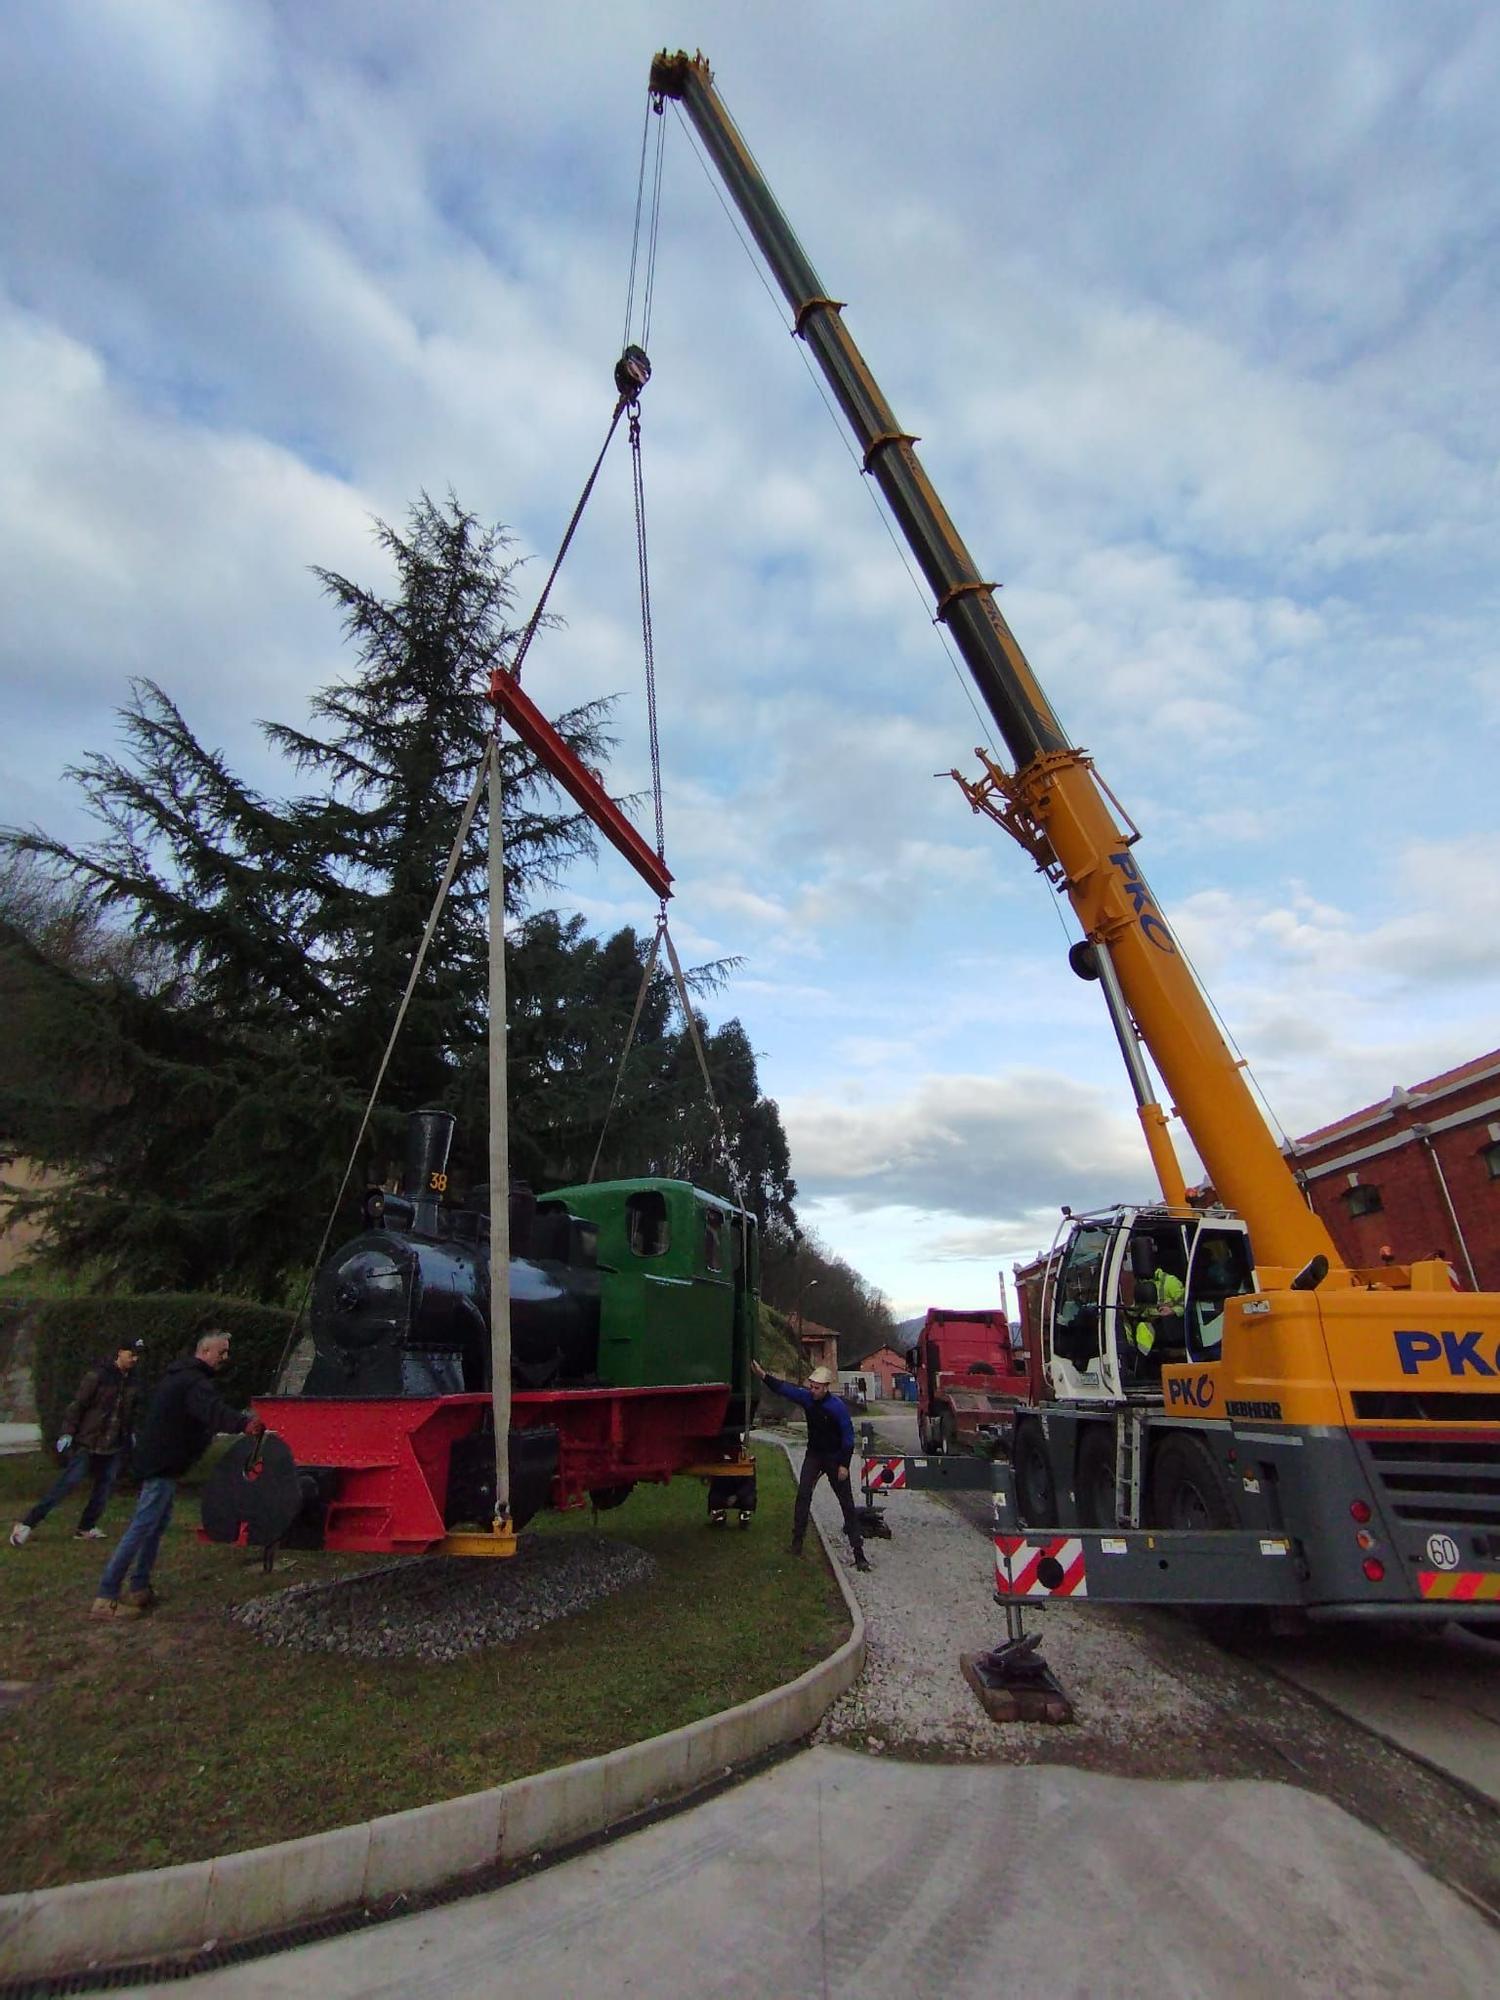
<point x="103" y="1465"/>
<point x="142" y="1538"/>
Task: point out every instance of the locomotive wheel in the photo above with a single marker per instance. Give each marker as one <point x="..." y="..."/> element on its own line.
<point x="1095" y="1478"/>
<point x="1036" y="1490"/>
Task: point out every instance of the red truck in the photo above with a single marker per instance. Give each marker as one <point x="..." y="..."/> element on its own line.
<point x="968" y="1378"/>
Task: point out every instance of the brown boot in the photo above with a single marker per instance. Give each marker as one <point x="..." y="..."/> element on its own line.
<point x="106" y="1607"/>
<point x="144" y="1599"/>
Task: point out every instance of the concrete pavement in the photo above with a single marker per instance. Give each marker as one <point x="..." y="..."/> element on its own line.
<point x="843" y="1875"/>
<point x="15" y="1438"/>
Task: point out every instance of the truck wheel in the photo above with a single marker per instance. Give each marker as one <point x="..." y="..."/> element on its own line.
<point x="947" y="1432"/>
<point x="1036" y="1490"/>
<point x="1187" y="1488"/>
<point x="1096" y="1477"/>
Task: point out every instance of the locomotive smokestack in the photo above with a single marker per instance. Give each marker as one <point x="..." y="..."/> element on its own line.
<point x="429" y="1137"/>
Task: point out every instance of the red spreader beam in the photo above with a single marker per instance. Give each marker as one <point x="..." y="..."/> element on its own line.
<point x="578" y="781"/>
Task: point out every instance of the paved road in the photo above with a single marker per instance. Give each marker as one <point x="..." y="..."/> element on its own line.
<point x="843" y="1876"/>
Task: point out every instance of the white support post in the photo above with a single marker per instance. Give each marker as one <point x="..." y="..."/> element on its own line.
<point x="499" y="1155"/>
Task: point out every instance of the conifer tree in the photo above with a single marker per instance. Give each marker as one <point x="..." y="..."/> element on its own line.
<point x="213" y="1100"/>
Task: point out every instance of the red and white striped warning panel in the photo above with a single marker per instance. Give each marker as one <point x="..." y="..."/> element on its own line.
<point x="885" y="1475"/>
<point x="1031" y="1566"/>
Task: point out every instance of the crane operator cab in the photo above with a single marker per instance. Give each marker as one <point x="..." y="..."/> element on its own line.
<point x="1130" y="1290"/>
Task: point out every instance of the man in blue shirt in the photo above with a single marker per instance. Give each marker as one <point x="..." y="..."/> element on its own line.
<point x="830" y="1446"/>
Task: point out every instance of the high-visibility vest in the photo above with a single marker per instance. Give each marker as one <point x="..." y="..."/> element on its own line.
<point x="1170" y="1293"/>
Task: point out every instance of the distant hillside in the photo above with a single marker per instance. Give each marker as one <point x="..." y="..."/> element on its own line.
<point x="906" y="1333"/>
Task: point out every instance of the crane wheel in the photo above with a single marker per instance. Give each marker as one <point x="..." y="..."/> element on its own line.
<point x="1189" y="1491"/>
<point x="1187" y="1488"/>
<point x="1094" y="1480"/>
<point x="1036" y="1489"/>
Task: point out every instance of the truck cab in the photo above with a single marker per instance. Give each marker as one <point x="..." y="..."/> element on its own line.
<point x="969" y="1378"/>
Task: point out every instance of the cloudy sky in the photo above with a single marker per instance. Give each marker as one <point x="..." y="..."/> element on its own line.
<point x="1194" y="308"/>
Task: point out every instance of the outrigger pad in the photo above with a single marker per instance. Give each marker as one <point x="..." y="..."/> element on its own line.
<point x="1015" y="1684"/>
<point x="255" y="1490"/>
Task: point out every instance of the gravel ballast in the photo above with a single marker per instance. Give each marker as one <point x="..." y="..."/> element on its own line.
<point x="441" y="1608"/>
<point x="929" y="1597"/>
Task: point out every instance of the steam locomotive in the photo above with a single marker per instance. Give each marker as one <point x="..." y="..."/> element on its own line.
<point x="633" y="1313"/>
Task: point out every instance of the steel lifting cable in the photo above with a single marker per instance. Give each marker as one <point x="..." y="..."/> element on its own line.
<point x="628" y="391"/>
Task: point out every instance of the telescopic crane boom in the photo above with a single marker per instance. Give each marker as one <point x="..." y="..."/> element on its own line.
<point x="1052" y="803"/>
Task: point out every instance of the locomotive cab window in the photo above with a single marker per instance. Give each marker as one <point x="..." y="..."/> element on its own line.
<point x="713" y="1239"/>
<point x="647" y="1225"/>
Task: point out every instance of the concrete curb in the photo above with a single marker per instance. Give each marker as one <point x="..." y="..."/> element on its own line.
<point x="126" y="1919"/>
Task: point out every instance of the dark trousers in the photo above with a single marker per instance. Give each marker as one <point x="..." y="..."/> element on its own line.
<point x="103" y="1465"/>
<point x="824" y="1465"/>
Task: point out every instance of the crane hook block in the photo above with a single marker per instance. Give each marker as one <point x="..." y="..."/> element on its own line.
<point x="632" y="373"/>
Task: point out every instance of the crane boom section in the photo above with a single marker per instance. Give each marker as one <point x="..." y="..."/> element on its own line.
<point x="1056" y="807"/>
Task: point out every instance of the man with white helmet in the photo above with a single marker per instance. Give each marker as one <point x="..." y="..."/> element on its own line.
<point x="830" y="1446"/>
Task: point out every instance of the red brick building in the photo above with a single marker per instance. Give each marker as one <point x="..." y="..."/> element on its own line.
<point x="1418" y="1173"/>
<point x="881" y="1369"/>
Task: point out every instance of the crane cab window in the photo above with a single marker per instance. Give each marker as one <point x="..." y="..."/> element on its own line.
<point x="647" y="1227"/>
<point x="1152" y="1289"/>
<point x="1075" y="1319"/>
<point x="1221" y="1269"/>
<point x="713" y="1239"/>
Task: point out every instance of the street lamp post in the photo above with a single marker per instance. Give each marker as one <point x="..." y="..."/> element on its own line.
<point x="806" y="1286"/>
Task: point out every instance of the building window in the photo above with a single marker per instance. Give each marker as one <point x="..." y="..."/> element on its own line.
<point x="1491" y="1156"/>
<point x="1363" y="1200"/>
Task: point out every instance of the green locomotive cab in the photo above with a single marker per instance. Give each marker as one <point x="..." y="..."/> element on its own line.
<point x="681" y="1275"/>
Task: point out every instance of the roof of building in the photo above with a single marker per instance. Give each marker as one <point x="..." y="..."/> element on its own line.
<point x="1435" y="1086"/>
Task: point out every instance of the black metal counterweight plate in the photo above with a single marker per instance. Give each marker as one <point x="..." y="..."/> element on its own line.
<point x="260" y="1491"/>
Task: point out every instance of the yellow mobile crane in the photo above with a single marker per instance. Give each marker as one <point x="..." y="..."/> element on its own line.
<point x="1231" y="1415"/>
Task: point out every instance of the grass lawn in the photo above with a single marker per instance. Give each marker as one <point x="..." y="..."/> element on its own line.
<point x="182" y="1735"/>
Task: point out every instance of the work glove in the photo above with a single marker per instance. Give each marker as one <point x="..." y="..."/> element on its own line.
<point x="63" y="1442"/>
<point x="254" y="1428"/>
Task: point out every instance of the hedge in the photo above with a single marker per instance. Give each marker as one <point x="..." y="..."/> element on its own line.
<point x="72" y="1334"/>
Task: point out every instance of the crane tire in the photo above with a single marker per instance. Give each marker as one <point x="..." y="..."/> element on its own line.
<point x="1036" y="1489"/>
<point x="1094" y="1480"/>
<point x="1187" y="1488"/>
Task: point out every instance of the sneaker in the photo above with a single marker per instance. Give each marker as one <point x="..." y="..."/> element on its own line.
<point x="860" y="1563"/>
<point x="19" y="1535"/>
<point x="88" y="1534"/>
<point x="745" y="1520"/>
<point x="716" y="1517"/>
<point x="106" y="1607"/>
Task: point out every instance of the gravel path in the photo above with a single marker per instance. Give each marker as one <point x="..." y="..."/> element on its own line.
<point x="928" y="1598"/>
<point x="440" y="1608"/>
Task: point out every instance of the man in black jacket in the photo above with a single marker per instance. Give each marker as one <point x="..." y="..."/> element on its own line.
<point x="95" y="1437"/>
<point x="184" y="1416"/>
